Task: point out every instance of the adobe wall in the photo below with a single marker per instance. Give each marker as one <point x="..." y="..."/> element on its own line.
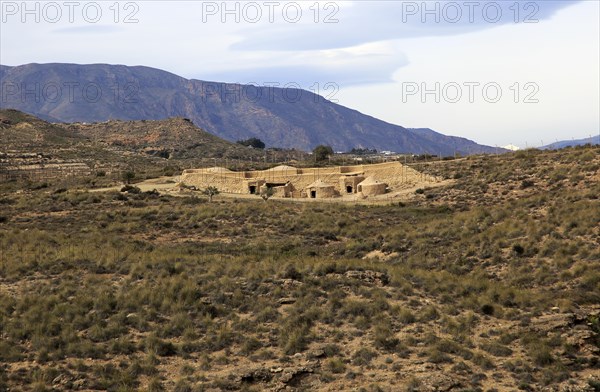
<point x="322" y="192"/>
<point x="350" y="181"/>
<point x="372" y="189"/>
<point x="394" y="174"/>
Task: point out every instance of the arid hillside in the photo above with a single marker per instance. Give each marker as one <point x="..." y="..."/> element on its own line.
<point x="170" y="138"/>
<point x="43" y="151"/>
<point x="491" y="283"/>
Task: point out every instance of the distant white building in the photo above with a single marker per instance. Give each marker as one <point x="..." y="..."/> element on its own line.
<point x="512" y="147"/>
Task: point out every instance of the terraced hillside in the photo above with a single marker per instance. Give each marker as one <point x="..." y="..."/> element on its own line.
<point x="33" y="148"/>
<point x="172" y="138"/>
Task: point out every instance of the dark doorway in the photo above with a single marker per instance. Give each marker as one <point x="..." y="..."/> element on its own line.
<point x="252" y="189"/>
<point x="313" y="194"/>
<point x="349" y="189"/>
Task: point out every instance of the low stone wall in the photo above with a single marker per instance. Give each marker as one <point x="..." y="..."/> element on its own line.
<point x="46" y="171"/>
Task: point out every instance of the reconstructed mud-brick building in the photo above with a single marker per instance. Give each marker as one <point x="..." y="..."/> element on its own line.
<point x="328" y="182"/>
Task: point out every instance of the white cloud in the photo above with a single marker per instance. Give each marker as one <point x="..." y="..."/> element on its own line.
<point x="365" y="64"/>
<point x="371" y="21"/>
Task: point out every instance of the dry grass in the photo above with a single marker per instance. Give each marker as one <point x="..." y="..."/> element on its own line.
<point x="484" y="290"/>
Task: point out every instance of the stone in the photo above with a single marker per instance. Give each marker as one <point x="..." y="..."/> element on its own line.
<point x="439" y="382"/>
<point x="253" y="375"/>
<point x="61" y="379"/>
<point x="371" y="277"/>
<point x="317" y="353"/>
<point x="552" y="322"/>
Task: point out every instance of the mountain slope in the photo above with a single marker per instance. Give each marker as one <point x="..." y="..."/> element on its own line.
<point x="280" y="117"/>
<point x="22" y="131"/>
<point x="572" y="143"/>
<point x="172" y="137"/>
<point x="169" y="138"/>
<point x="458" y="144"/>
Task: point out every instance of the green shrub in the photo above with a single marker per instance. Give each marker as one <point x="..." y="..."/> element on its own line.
<point x="363" y="356"/>
<point x="483" y="361"/>
<point x="384" y="337"/>
<point x="496" y="349"/>
<point x="294" y="339"/>
<point x="406" y="316"/>
<point x="335" y="365"/>
<point x="160" y="347"/>
<point x="541" y="355"/>
<point x="487" y="309"/>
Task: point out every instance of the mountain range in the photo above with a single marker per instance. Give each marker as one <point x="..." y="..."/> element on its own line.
<point x="572" y="143"/>
<point x="285" y="118"/>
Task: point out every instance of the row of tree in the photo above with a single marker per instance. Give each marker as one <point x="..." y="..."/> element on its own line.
<point x="320" y="153"/>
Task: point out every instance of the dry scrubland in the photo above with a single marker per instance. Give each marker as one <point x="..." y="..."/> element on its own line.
<point x="489" y="284"/>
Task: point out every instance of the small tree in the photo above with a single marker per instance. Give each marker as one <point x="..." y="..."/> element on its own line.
<point x="266" y="193"/>
<point x="210" y="192"/>
<point x="254" y="142"/>
<point x="128" y="176"/>
<point x="363" y="151"/>
<point x="322" y="152"/>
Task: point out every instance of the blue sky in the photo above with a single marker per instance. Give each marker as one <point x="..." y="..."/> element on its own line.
<point x="501" y="72"/>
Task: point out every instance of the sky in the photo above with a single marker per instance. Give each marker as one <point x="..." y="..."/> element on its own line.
<point x="498" y="72"/>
